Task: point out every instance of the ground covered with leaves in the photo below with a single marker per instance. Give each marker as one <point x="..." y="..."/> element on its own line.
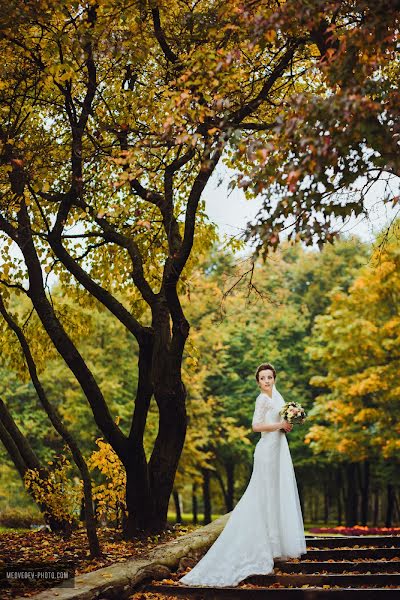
<point x="33" y="547"/>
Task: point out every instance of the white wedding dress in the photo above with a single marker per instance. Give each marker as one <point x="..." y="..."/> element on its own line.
<point x="266" y="523"/>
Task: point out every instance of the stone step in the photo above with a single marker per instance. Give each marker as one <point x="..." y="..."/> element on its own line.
<point x="319" y="580"/>
<point x="387" y="566"/>
<point x="353" y="554"/>
<point x="350" y="568"/>
<point x="356" y="540"/>
<point x="239" y="593"/>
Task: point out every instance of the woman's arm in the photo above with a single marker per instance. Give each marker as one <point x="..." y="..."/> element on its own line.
<point x="259" y="427"/>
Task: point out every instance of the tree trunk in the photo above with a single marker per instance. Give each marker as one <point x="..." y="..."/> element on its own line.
<point x="170" y="396"/>
<point x="177" y="506"/>
<point x="206" y="496"/>
<point x="59" y="426"/>
<point x="339" y="496"/>
<point x="313" y="507"/>
<point x="194" y="504"/>
<point x="24" y="459"/>
<point x="148" y="487"/>
<point x="301" y="498"/>
<point x="375" y="518"/>
<point x="230" y="484"/>
<point x="397" y="509"/>
<point x="167" y="451"/>
<point x="220" y="480"/>
<point x="326" y="502"/>
<point x="389" y="505"/>
<point x="61" y="340"/>
<point x="351" y="495"/>
<point x="138" y="496"/>
<point x="138" y="493"/>
<point x="364" y="481"/>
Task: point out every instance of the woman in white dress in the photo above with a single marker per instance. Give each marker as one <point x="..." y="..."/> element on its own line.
<point x="266" y="523"/>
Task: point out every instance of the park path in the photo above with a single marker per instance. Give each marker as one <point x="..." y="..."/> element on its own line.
<point x="358" y="567"/>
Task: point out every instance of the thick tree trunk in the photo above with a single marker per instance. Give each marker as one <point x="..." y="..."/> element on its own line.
<point x="351" y="495"/>
<point x="389" y="505"/>
<point x="177" y="503"/>
<point x="138" y="497"/>
<point x="138" y="493"/>
<point x="149" y="487"/>
<point x="170" y="395"/>
<point x="206" y="496"/>
<point x="167" y="451"/>
<point x="195" y="507"/>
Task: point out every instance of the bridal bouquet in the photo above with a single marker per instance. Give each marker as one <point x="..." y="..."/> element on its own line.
<point x="293" y="412"/>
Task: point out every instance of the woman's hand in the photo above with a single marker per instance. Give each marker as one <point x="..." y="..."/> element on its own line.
<point x="285" y="425"/>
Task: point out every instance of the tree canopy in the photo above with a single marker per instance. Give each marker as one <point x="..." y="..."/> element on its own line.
<point x="115" y="116"/>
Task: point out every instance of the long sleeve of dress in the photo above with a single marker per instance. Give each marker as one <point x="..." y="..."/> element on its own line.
<point x="261" y="408"/>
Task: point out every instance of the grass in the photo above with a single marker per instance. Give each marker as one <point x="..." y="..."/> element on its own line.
<point x="13" y="529"/>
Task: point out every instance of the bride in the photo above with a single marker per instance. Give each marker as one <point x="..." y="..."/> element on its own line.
<point x="266" y="523"/>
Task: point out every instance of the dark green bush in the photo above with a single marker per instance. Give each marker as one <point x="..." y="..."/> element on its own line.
<point x="20" y="518"/>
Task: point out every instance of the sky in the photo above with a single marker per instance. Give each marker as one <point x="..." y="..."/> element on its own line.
<point x="231" y="211"/>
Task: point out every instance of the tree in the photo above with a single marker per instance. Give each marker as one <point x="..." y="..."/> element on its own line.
<point x="216" y="436"/>
<point x="334" y="137"/>
<point x="356" y="341"/>
<point x="248" y="313"/>
<point x="115" y="118"/>
<point x="25" y="466"/>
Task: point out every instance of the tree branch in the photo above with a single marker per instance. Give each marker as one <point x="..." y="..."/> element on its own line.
<point x="60" y="338"/>
<point x="112" y="235"/>
<point x="107" y="299"/>
<point x="160" y="36"/>
<point x="238" y="116"/>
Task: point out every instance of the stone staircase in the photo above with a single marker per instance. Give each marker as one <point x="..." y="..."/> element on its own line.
<point x="361" y="567"/>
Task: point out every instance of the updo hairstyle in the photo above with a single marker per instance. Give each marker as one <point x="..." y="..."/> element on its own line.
<point x="264" y="367"/>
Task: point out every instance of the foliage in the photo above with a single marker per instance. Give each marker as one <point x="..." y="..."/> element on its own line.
<point x="56" y="491"/>
<point x="115" y="116"/>
<point x="214" y="432"/>
<point x="229" y="337"/>
<point x="357" y="343"/>
<point x="110" y="495"/>
<point x="336" y="134"/>
<point x="247" y="314"/>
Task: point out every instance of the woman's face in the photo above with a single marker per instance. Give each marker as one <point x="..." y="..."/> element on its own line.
<point x="266" y="380"/>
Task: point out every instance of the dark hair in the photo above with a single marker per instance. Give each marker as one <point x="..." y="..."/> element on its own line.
<point x="264" y="367"/>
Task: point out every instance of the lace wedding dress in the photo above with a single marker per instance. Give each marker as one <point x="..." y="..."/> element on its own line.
<point x="266" y="523"/>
